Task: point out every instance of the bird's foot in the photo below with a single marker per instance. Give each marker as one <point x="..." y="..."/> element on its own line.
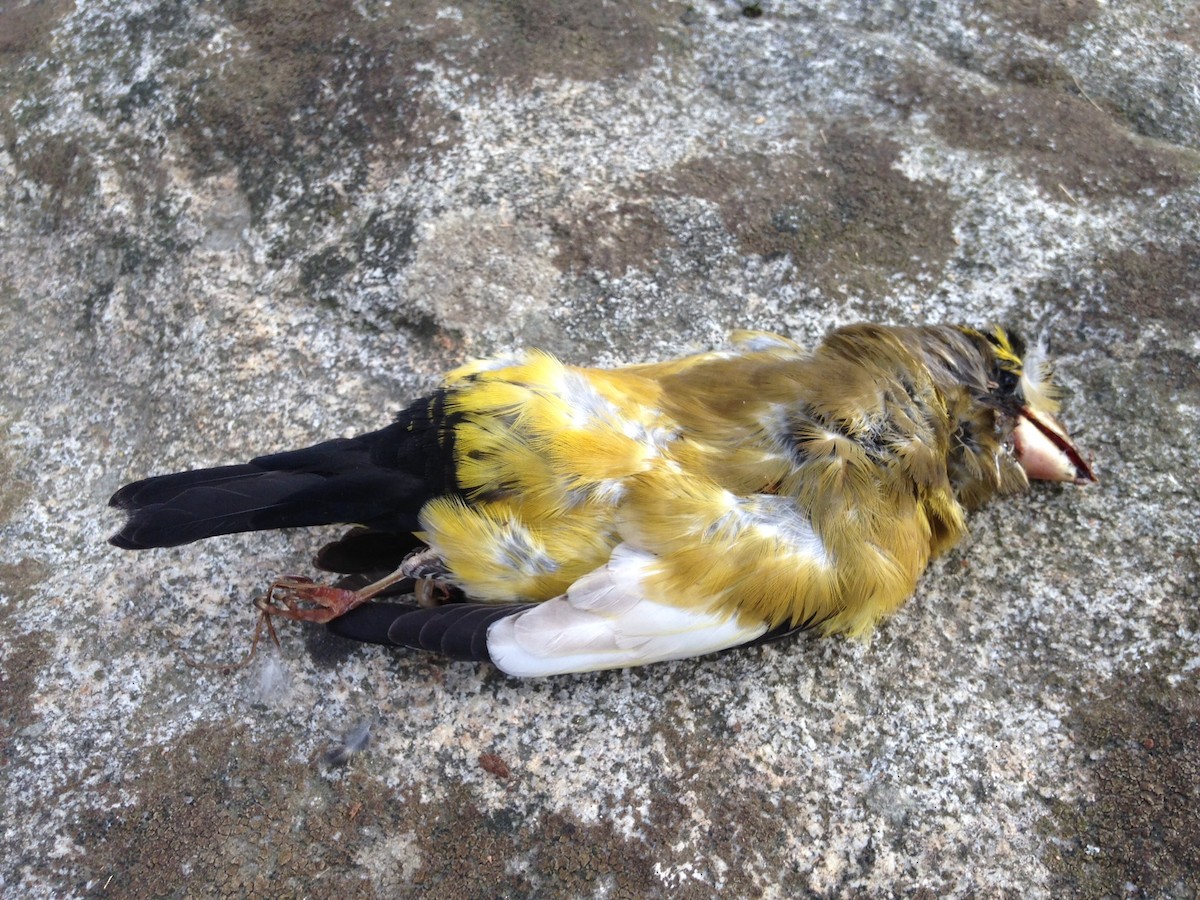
<point x="431" y="592"/>
<point x="432" y="585"/>
<point x="303" y="600"/>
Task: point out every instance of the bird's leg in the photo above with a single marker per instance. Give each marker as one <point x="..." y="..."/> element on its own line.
<point x="286" y="595"/>
<point x="302" y="599"/>
<point x="427" y="567"/>
<point x="431" y="592"/>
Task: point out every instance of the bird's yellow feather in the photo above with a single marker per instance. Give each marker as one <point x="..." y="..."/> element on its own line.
<point x="654" y="511"/>
<point x="750" y="502"/>
<point x="504" y="557"/>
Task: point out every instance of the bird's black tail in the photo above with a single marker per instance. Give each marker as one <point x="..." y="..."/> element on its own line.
<point x="380" y="479"/>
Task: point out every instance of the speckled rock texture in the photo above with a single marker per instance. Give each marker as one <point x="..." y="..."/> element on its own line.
<point x="232" y="228"/>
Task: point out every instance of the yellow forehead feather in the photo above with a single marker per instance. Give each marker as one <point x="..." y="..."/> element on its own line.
<point x="1005" y="353"/>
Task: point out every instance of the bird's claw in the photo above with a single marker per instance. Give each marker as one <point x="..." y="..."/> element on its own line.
<point x="430" y="592"/>
<point x="303" y="600"/>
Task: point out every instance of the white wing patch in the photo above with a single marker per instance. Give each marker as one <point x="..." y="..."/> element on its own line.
<point x="780" y="519"/>
<point x="604" y="622"/>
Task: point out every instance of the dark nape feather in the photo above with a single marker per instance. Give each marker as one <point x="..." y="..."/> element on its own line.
<point x="456" y="630"/>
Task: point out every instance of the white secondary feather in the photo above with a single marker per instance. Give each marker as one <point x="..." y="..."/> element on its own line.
<point x="604" y="622"/>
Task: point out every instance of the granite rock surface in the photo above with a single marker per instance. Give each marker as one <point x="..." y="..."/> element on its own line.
<point x="232" y="228"/>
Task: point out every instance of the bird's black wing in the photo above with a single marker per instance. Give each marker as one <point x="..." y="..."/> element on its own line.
<point x="380" y="479"/>
<point x="367" y="552"/>
<point x="456" y="630"/>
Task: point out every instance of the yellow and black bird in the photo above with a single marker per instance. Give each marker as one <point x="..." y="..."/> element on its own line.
<point x="553" y="518"/>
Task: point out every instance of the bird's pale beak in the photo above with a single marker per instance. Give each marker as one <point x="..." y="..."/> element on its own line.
<point x="1045" y="452"/>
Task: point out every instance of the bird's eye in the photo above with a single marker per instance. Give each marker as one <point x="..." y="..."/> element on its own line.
<point x="1008" y="382"/>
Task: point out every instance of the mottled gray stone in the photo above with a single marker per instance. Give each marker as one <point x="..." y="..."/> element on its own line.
<point x="231" y="228"/>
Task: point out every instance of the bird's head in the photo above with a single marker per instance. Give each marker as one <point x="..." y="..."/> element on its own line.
<point x="1001" y="404"/>
<point x="1021" y="388"/>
